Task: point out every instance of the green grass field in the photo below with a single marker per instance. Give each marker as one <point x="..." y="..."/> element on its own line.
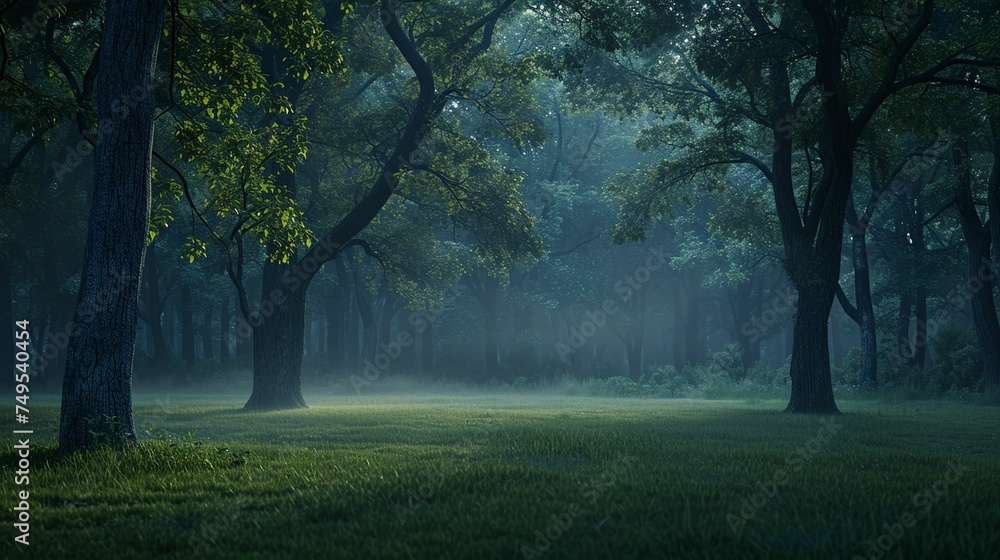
<point x="519" y="476"/>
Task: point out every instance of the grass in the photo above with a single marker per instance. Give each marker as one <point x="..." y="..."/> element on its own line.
<point x="486" y="476"/>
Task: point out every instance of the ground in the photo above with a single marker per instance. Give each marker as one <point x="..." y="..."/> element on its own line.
<point x="519" y="476"/>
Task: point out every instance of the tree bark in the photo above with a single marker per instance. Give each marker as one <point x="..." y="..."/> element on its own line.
<point x="812" y="386"/>
<point x="97" y="387"/>
<point x="278" y="338"/>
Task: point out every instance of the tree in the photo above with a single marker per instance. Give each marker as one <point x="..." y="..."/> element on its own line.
<point x="981" y="271"/>
<point x="458" y="59"/>
<point x="97" y="389"/>
<point x="793" y="74"/>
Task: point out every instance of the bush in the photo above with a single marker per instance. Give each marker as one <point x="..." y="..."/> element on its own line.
<point x="957" y="365"/>
<point x="849" y="371"/>
<point x="612" y="387"/>
<point x="726" y="362"/>
<point x="766" y="378"/>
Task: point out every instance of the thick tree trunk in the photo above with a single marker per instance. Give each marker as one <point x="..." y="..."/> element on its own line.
<point x="97" y="387"/>
<point x="812" y="387"/>
<point x="278" y="337"/>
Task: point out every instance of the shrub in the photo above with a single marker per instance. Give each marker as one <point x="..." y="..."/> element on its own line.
<point x="957" y="365"/>
<point x="849" y="370"/>
<point x="612" y="387"/>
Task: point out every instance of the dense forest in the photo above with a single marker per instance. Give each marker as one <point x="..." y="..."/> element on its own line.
<point x="655" y="198"/>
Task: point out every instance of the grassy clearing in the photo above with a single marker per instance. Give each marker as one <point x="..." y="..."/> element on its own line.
<point x="482" y="477"/>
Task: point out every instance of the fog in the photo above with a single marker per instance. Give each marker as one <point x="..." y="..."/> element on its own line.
<point x="492" y="279"/>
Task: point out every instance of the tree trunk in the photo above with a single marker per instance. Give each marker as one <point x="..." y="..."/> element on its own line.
<point x="812" y="386"/>
<point x="278" y="338"/>
<point x="981" y="275"/>
<point x="97" y="387"/>
<point x="225" y="317"/>
<point x="864" y="310"/>
<point x="920" y="297"/>
<point x="282" y="363"/>
<point x="920" y="340"/>
<point x="993" y="197"/>
<point x="903" y="323"/>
